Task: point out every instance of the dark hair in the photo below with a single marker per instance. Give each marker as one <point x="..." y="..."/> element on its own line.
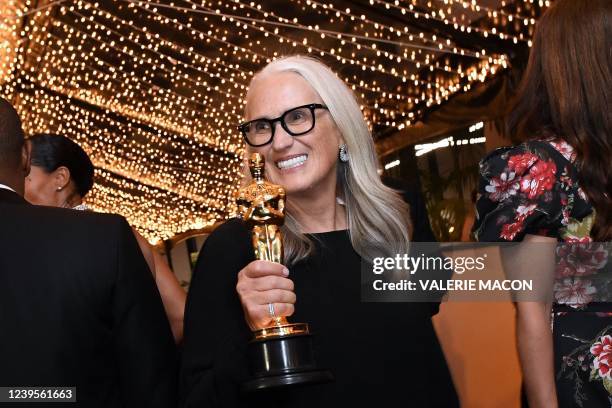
<point x="11" y="136"/>
<point x="565" y="92"/>
<point x="51" y="151"/>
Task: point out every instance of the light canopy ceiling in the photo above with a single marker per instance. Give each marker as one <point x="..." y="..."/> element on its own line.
<point x="153" y="91"/>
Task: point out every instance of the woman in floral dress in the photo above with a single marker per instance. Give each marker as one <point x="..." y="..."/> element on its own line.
<point x="556" y="186"/>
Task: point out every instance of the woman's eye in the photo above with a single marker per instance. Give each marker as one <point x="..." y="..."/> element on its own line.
<point x="262" y="126"/>
<point x="296" y="116"/>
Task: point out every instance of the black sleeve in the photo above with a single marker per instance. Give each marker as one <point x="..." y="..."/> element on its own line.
<point x="520" y="192"/>
<point x="215" y="332"/>
<point x="145" y="349"/>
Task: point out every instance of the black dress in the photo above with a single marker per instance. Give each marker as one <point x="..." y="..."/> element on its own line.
<point x="383" y="354"/>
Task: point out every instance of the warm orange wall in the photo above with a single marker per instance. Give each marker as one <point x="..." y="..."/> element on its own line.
<point x="478" y="339"/>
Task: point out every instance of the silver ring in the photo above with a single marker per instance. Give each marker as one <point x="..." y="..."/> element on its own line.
<point x="271" y="310"/>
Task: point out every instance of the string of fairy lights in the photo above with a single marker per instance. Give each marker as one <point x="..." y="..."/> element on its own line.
<point x="153" y="90"/>
<point x="429" y="98"/>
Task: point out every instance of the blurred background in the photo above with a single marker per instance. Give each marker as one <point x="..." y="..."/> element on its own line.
<point x="153" y="91"/>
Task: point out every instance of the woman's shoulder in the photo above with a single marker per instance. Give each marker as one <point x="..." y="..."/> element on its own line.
<point x="230" y="226"/>
<point x="519" y="159"/>
<point x="528" y="188"/>
<point x="227" y="249"/>
<point x="232" y="232"/>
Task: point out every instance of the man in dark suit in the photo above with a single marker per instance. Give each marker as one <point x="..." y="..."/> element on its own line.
<point x="78" y="304"/>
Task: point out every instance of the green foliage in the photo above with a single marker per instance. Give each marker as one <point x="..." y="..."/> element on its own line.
<point x="448" y="200"/>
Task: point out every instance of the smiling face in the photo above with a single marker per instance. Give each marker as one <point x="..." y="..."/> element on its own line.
<point x="305" y="164"/>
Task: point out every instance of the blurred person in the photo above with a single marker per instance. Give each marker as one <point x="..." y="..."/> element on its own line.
<point x="61" y="175"/>
<point x="468" y="220"/>
<point x="78" y="305"/>
<point x="556" y="187"/>
<point x="411" y="194"/>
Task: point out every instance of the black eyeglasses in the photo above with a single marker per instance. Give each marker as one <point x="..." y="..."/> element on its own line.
<point x="296" y="122"/>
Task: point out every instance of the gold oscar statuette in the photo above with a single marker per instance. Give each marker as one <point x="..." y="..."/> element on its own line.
<point x="280" y="354"/>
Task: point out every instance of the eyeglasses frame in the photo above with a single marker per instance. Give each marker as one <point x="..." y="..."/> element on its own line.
<point x="311" y="106"/>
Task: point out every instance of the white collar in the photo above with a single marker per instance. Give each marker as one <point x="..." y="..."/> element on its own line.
<point x="2" y="186"/>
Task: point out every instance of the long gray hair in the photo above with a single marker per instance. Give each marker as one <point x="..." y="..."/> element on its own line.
<point x="378" y="218"/>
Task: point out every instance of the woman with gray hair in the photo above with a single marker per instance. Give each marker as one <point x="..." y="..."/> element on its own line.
<point x="307" y="125"/>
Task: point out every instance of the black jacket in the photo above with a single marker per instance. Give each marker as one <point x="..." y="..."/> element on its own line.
<point x="79" y="307"/>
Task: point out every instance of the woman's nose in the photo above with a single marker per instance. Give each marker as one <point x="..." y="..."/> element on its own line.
<point x="282" y="140"/>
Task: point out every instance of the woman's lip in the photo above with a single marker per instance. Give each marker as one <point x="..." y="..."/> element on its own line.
<point x="285" y="158"/>
<point x="291" y="166"/>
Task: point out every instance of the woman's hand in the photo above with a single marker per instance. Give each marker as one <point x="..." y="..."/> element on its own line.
<point x="261" y="283"/>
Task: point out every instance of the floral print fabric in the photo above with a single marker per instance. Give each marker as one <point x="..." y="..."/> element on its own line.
<point x="528" y="189"/>
<point x="533" y="189"/>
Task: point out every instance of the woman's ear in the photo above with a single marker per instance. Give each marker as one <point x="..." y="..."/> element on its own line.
<point x="61" y="177"/>
<point x="26" y="158"/>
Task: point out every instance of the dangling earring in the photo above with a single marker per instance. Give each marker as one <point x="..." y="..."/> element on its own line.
<point x="343" y="153"/>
